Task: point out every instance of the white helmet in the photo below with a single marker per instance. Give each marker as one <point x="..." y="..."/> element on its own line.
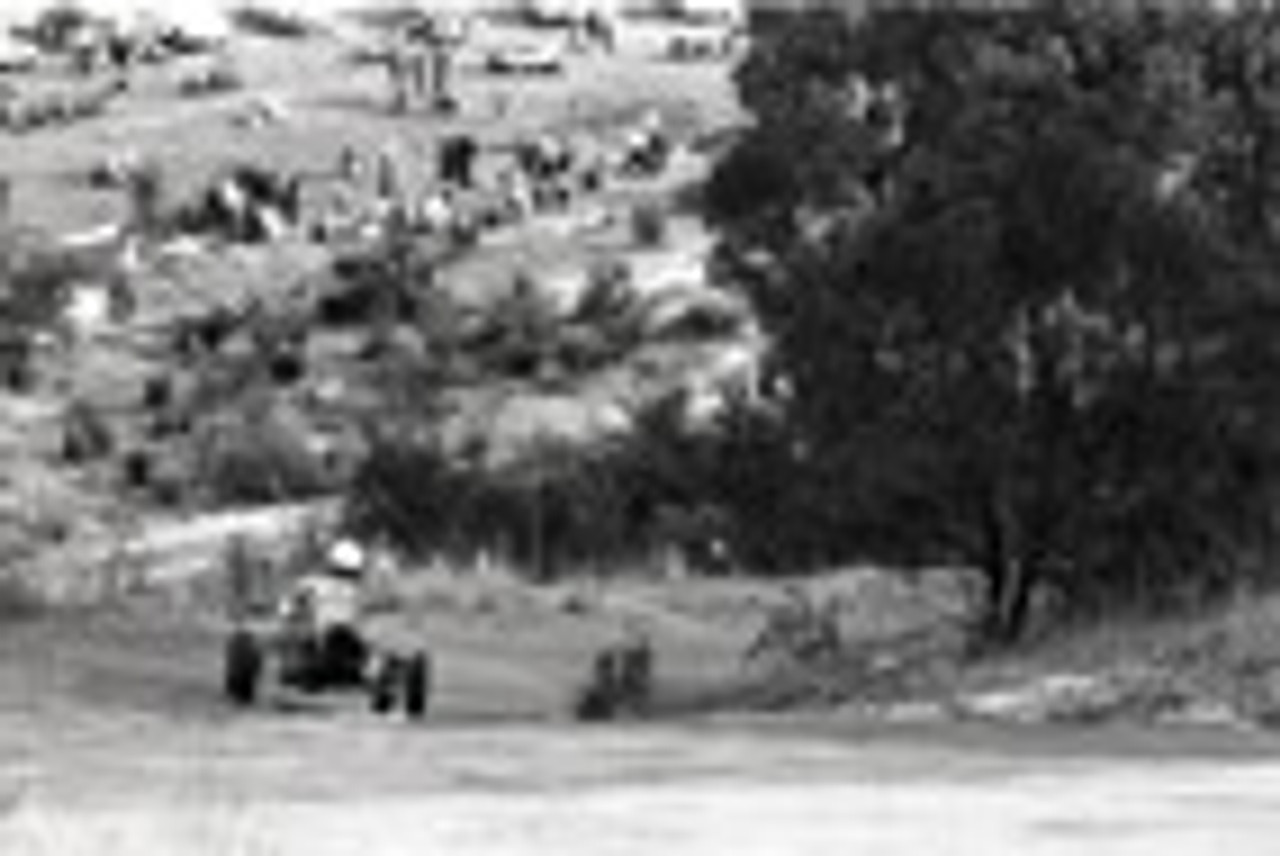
<point x="346" y="556"/>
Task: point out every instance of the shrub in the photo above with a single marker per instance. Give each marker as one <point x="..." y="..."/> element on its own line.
<point x="146" y="193"/>
<point x="649" y="225"/>
<point x="210" y="81"/>
<point x="583" y="349"/>
<point x="16" y="360"/>
<point x="604" y="329"/>
<point x="158" y="392"/>
<point x="136" y="467"/>
<point x="19" y="599"/>
<point x="520" y="332"/>
<point x="243" y="569"/>
<point x="162" y="479"/>
<point x="287" y="366"/>
<point x="566" y="508"/>
<point x="36" y="283"/>
<point x="609" y="290"/>
<point x="802" y="630"/>
<point x="306" y="548"/>
<point x="405" y="490"/>
<point x="386" y="282"/>
<point x="260" y="460"/>
<point x="86" y="436"/>
<point x="269" y="23"/>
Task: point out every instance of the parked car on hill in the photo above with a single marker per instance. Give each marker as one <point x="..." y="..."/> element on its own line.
<point x="531" y="59"/>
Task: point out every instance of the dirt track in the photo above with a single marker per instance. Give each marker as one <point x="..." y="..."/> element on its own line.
<point x="113" y="741"/>
<point x="353" y="786"/>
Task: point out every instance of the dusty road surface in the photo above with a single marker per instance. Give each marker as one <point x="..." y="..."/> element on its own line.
<point x="344" y="784"/>
<point x="114" y="742"/>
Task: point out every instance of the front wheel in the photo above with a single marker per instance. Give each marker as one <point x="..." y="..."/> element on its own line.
<point x="242" y="668"/>
<point x="417" y="685"/>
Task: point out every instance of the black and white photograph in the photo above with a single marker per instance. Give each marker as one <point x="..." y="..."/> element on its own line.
<point x="639" y="427"/>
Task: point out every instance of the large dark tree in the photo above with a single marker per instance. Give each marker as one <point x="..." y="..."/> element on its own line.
<point x="1018" y="269"/>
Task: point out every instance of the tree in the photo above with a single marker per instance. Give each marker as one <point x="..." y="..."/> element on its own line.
<point x="1016" y="271"/>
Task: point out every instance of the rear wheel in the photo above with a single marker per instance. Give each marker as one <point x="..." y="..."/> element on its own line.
<point x="243" y="668"/>
<point x="382" y="686"/>
<point x="417" y="685"/>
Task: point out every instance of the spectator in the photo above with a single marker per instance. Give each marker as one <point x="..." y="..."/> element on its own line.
<point x="457" y="160"/>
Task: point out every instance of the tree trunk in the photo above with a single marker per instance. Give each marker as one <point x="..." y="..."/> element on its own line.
<point x="1017" y="606"/>
<point x="1010" y="576"/>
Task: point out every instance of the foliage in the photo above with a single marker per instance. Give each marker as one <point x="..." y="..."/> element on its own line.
<point x="561" y="511"/>
<point x="609" y="294"/>
<point x="34" y="282"/>
<point x="1015" y="267"/>
<point x="56" y="28"/>
<point x="798" y="631"/>
<point x="649" y="225"/>
<point x="259" y="458"/>
<point x="86" y="434"/>
<point x="243" y="570"/>
<point x="662" y="485"/>
<point x="266" y="22"/>
<point x="380" y="284"/>
<point x="19" y="599"/>
<point x="146" y="187"/>
<point x="606" y="324"/>
<point x="518" y="335"/>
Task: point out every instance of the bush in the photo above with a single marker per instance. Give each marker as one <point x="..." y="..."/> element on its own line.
<point x="802" y="630"/>
<point x="562" y="509"/>
<point x="244" y="571"/>
<point x="649" y="226"/>
<point x="86" y="436"/>
<point x="306" y="548"/>
<point x="260" y="460"/>
<point x="136" y="469"/>
<point x="19" y="599"/>
<point x="287" y="365"/>
<point x="269" y="23"/>
<point x="610" y="294"/>
<point x="16" y="360"/>
<point x="520" y="332"/>
<point x="36" y="284"/>
<point x="162" y="479"/>
<point x="211" y="81"/>
<point x="386" y="282"/>
<point x="147" y="188"/>
<point x="158" y="392"/>
<point x="405" y="490"/>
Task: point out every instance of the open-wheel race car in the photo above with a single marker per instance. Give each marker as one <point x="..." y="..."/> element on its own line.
<point x="332" y="662"/>
<point x="302" y="648"/>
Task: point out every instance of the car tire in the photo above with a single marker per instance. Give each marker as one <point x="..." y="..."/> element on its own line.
<point x="417" y="685"/>
<point x="243" y="668"/>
